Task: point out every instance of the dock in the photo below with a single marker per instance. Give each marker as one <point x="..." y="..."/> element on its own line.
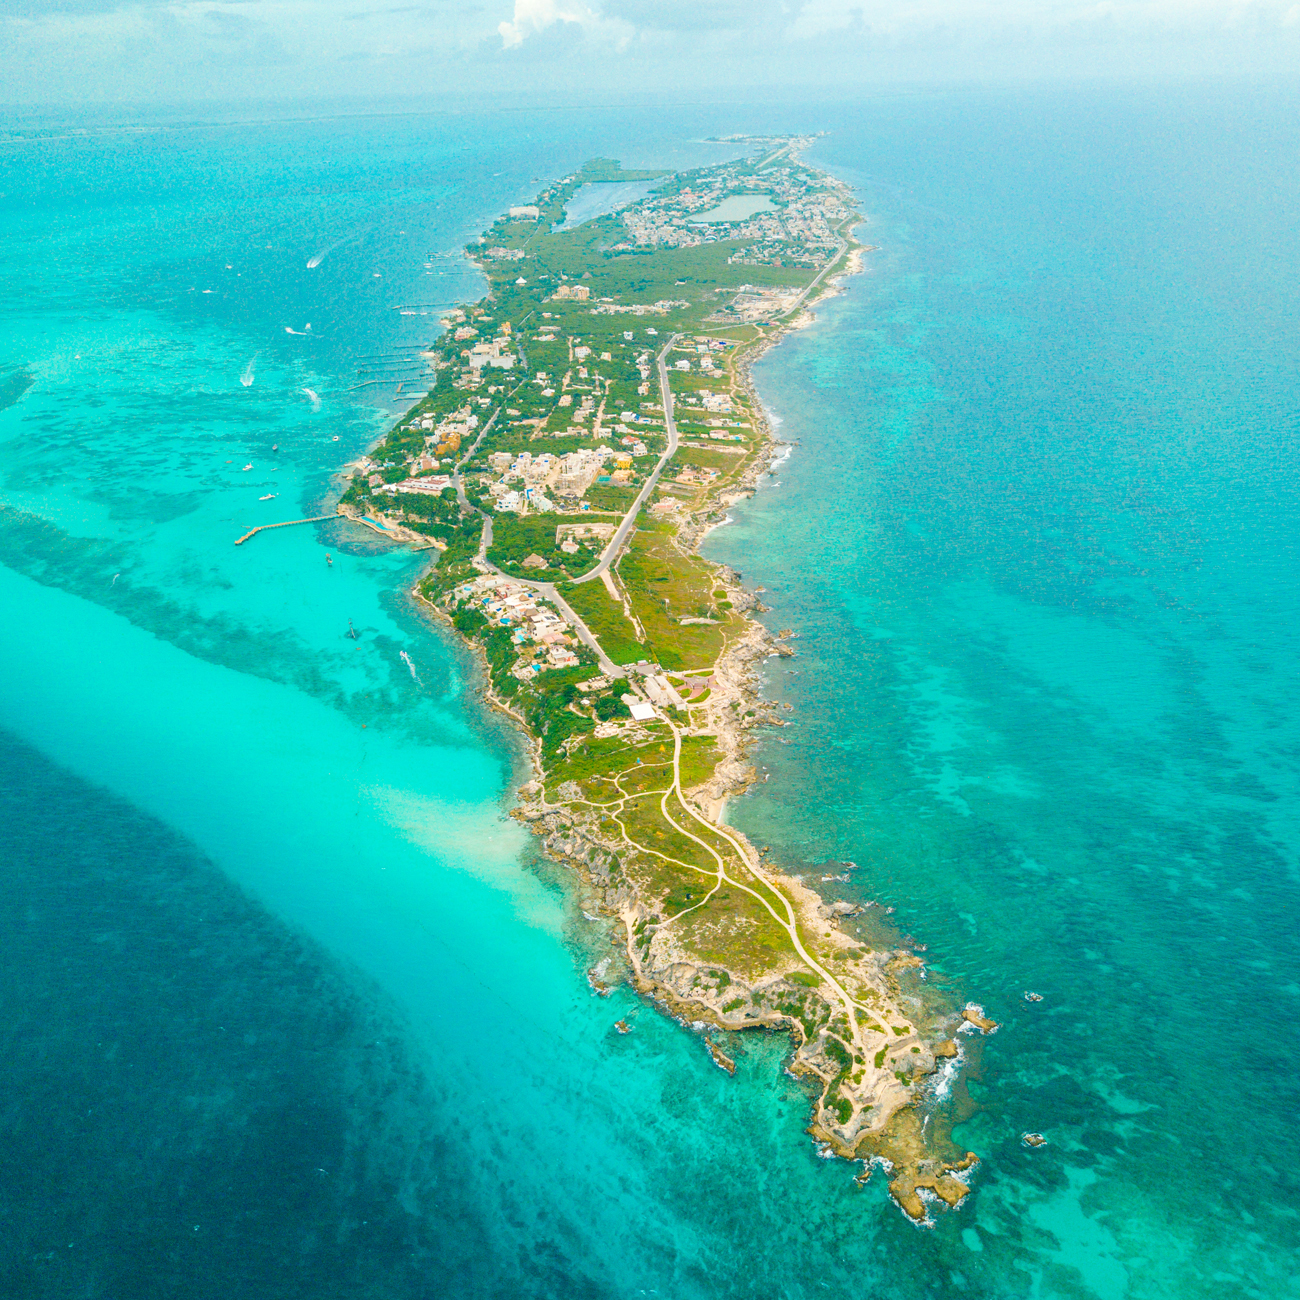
<point x="288" y="523"/>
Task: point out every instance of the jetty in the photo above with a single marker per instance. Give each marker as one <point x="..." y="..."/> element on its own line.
<point x="288" y="523"/>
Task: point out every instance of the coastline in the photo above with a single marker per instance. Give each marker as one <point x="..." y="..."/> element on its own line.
<point x="864" y="1107"/>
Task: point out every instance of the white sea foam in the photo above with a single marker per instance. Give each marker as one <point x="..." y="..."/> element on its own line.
<point x="946" y="1075"/>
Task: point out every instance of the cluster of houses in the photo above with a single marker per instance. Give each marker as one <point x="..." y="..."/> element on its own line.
<point x="568" y="475"/>
<point x="704" y="350"/>
<point x="660" y="308"/>
<point x="803" y="223"/>
<point x="531" y="622"/>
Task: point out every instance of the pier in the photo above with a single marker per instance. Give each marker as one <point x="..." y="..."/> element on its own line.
<point x="288" y="523"/>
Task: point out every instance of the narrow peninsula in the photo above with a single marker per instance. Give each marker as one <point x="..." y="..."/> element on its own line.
<point x="587" y="423"/>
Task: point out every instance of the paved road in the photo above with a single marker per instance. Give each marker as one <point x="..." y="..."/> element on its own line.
<point x="482" y="433"/>
<point x="610" y="553"/>
<point x="839" y="252"/>
<point x="547" y="589"/>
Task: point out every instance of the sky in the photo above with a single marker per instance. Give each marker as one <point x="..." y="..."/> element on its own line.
<point x="128" y="51"/>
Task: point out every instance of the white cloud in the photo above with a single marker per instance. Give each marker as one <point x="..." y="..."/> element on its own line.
<point x="140" y="49"/>
<point x="533" y="16"/>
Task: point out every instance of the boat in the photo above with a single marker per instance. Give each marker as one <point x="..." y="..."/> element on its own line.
<point x="270" y="496"/>
<point x="248" y="467"/>
<point x="352" y="632"/>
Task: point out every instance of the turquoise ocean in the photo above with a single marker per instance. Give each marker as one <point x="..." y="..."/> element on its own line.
<point x="292" y="1008"/>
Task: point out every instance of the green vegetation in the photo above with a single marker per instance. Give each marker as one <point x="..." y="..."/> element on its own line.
<point x="606" y="620"/>
<point x="664" y="586"/>
<point x="609" y="496"/>
<point x="838" y="1052"/>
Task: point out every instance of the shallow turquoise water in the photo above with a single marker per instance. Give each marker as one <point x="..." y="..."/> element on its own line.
<point x="1047" y="678"/>
<point x="1044" y="700"/>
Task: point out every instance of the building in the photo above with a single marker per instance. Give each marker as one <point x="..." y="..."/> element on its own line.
<point x="491" y="354"/>
<point x="641" y="711"/>
<point x="432" y="485"/>
<point x="661" y="691"/>
<point x="525" y="212"/>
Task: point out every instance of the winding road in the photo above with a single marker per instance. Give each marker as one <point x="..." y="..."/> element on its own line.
<point x="611" y="551"/>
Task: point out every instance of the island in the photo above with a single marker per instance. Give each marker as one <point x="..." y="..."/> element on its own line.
<point x="586" y="424"/>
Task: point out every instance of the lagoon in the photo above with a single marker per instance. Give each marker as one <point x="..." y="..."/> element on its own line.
<point x="739" y="207"/>
<point x="600" y="198"/>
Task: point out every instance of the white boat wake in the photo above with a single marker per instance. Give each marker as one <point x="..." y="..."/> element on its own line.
<point x="317" y="258"/>
<point x="247" y="377"/>
<point x="407" y="659"/>
<point x="313" y="397"/>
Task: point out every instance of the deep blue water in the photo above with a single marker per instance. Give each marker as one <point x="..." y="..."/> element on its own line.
<point x="292" y="1008"/>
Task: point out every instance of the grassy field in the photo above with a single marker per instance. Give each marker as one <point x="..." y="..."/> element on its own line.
<point x="665" y="586"/>
<point x="605" y="617"/>
<point x="703" y="459"/>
